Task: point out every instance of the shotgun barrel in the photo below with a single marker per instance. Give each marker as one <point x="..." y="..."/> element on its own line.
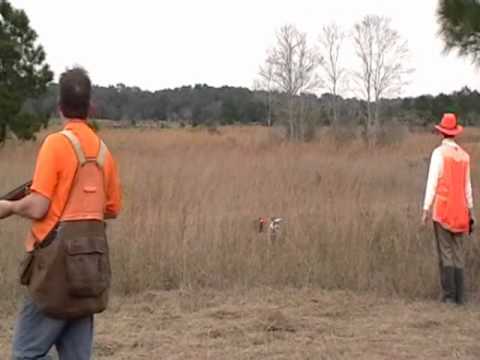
<point x="18" y="193"/>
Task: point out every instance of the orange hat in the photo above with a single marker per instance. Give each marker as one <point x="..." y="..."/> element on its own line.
<point x="449" y="126"/>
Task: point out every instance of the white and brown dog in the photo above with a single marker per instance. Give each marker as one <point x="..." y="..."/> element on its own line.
<point x="273" y="228"/>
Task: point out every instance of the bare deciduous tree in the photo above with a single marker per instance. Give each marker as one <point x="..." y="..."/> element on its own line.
<point x="383" y="55"/>
<point x="331" y="40"/>
<point x="292" y="66"/>
<point x="266" y="84"/>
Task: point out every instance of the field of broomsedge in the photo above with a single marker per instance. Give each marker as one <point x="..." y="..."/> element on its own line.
<point x="192" y="197"/>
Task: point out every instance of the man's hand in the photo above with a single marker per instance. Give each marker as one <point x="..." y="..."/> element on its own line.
<point x="425" y="217"/>
<point x="5" y="209"/>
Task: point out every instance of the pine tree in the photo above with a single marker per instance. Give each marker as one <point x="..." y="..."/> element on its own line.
<point x="460" y="26"/>
<point x="24" y="73"/>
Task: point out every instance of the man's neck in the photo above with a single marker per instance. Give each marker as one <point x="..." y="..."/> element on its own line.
<point x="67" y="121"/>
<point x="449" y="141"/>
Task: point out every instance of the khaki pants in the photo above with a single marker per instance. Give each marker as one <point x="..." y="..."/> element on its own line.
<point x="451" y="252"/>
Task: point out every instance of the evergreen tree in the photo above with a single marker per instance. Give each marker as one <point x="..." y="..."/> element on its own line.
<point x="23" y="73"/>
<point x="460" y="26"/>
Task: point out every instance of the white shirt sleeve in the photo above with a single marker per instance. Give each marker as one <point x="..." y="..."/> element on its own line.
<point x="468" y="189"/>
<point x="436" y="164"/>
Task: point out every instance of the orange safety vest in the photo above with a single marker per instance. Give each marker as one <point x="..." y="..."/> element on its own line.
<point x="87" y="197"/>
<point x="450" y="206"/>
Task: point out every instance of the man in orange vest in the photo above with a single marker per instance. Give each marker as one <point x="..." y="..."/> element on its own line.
<point x="65" y="194"/>
<point x="449" y="192"/>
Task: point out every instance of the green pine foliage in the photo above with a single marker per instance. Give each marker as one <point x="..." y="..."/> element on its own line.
<point x="23" y="73"/>
<point x="460" y="26"/>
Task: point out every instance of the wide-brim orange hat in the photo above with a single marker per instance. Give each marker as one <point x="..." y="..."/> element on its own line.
<point x="449" y="125"/>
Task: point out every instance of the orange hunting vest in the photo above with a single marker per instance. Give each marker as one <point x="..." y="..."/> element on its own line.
<point x="87" y="197"/>
<point x="450" y="206"/>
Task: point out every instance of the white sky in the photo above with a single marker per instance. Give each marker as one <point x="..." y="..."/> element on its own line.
<point x="170" y="43"/>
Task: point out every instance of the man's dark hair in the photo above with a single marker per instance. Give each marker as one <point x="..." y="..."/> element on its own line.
<point x="75" y="93"/>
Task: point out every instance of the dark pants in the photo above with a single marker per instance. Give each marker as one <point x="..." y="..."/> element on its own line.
<point x="451" y="255"/>
<point x="36" y="333"/>
<point x="450" y="247"/>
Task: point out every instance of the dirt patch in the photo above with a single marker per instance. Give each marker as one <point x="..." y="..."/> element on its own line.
<point x="226" y="314"/>
<point x="277" y="321"/>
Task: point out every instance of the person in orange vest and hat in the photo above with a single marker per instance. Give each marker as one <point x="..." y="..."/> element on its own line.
<point x="449" y="202"/>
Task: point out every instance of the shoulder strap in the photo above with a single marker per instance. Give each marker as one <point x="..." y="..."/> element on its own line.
<point x="76" y="146"/>
<point x="102" y="154"/>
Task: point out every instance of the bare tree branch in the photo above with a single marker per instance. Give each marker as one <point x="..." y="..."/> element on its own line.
<point x="291" y="68"/>
<point x="331" y="40"/>
<point x="266" y="83"/>
<point x="382" y="73"/>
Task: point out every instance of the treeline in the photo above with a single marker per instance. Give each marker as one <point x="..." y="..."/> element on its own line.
<point x="206" y="105"/>
<point x="200" y="104"/>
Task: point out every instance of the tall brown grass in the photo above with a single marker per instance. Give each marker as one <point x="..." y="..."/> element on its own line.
<point x="191" y="199"/>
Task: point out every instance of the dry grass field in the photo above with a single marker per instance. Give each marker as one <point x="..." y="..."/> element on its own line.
<point x="287" y="324"/>
<point x="193" y="278"/>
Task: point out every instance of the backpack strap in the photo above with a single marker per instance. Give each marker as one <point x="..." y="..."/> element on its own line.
<point x="76" y="146"/>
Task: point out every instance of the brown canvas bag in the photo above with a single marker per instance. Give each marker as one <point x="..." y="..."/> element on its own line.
<point x="26" y="269"/>
<point x="70" y="277"/>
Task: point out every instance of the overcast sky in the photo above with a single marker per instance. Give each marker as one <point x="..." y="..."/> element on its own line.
<point x="165" y="44"/>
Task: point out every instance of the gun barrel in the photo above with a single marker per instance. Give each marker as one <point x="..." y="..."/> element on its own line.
<point x="18" y="193"/>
